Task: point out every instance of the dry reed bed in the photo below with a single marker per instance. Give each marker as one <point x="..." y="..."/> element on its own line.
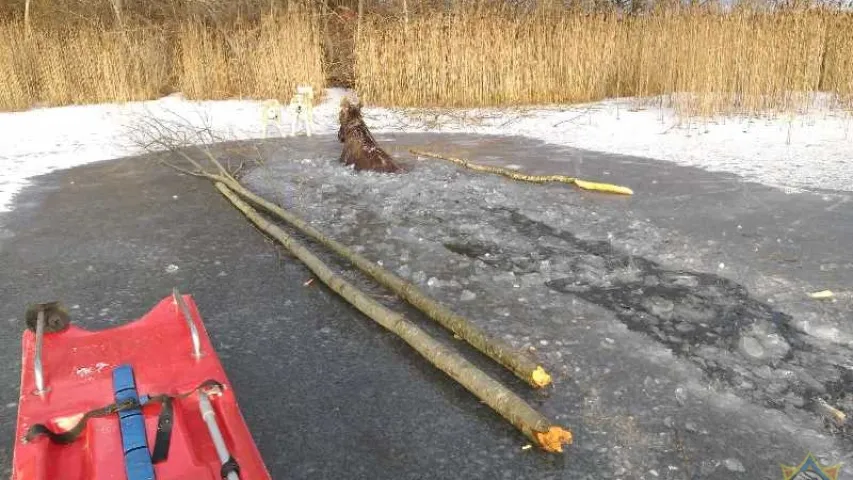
<point x="55" y="66"/>
<point x="262" y="61"/>
<point x="744" y="61"/>
<point x="82" y="66"/>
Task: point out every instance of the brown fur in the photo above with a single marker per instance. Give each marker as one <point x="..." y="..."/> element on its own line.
<point x="360" y="148"/>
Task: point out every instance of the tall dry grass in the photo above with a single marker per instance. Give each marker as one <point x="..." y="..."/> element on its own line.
<point x="260" y="61"/>
<point x="838" y="62"/>
<point x="710" y="61"/>
<point x="92" y="64"/>
<point x="706" y="61"/>
<point x="60" y="67"/>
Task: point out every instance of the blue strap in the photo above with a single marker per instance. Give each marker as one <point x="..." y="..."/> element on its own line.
<point x="137" y="460"/>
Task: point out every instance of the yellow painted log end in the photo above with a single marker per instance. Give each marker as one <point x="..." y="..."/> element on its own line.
<point x="824" y="294"/>
<point x="603" y="187"/>
<point x="540" y="377"/>
<point x="554" y="439"/>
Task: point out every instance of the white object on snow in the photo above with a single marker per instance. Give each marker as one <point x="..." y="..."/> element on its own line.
<point x="302" y="106"/>
<point x="270" y="113"/>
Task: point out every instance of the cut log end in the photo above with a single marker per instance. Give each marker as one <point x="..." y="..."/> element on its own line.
<point x="554" y="439"/>
<point x="603" y="187"/>
<point x="540" y="377"/>
<point x="513" y="408"/>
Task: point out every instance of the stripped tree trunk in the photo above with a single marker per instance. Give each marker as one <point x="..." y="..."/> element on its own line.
<point x="587" y="185"/>
<point x="513" y="359"/>
<point x="517" y="361"/>
<point x="531" y="423"/>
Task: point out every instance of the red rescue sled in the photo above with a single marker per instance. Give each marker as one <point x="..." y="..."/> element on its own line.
<point x="142" y="401"/>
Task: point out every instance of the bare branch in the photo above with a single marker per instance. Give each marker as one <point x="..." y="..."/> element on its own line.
<point x="182" y="170"/>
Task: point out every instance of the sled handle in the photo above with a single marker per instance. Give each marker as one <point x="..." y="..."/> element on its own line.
<point x="209" y="417"/>
<point x="38" y="369"/>
<point x="182" y="306"/>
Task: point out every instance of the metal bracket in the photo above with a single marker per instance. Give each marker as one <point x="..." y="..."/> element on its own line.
<point x="185" y="311"/>
<point x="44" y="318"/>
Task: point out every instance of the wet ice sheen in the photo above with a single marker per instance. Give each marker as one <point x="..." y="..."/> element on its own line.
<point x="446" y="229"/>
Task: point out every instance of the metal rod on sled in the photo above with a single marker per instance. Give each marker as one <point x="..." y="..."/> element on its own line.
<point x="179" y="301"/>
<point x="38" y="369"/>
<point x="210" y="419"/>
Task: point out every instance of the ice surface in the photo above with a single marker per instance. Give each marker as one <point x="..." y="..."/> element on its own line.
<point x="529" y="276"/>
<point x="603" y="304"/>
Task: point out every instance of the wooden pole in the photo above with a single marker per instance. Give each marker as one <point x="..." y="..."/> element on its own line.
<point x="531" y="423"/>
<point x="517" y="361"/>
<point x="587" y="185"/>
<point x="520" y="363"/>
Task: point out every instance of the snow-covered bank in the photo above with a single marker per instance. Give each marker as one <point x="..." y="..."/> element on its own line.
<point x="811" y="151"/>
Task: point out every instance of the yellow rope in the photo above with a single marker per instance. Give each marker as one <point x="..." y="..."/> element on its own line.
<point x="587" y="185"/>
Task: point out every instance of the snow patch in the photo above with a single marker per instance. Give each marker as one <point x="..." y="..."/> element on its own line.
<point x="805" y="151"/>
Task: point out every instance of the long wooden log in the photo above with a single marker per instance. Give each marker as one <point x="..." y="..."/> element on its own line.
<point x="531" y="423"/>
<point x="517" y="361"/>
<point x="585" y="184"/>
